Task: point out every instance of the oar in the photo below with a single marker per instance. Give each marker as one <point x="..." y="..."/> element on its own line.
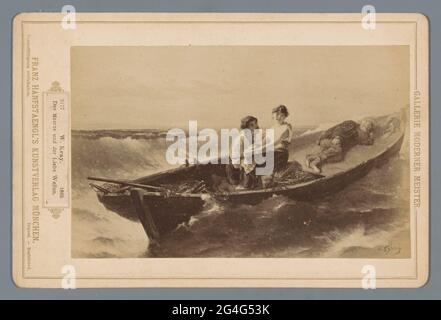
<point x="130" y="184"/>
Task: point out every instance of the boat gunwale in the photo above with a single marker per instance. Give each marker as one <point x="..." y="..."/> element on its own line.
<point x="265" y="190"/>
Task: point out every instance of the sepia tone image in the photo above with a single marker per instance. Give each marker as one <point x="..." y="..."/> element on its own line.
<point x="340" y="183"/>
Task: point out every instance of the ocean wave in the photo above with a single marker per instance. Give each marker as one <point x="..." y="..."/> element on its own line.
<point x="359" y="221"/>
<point x="119" y="134"/>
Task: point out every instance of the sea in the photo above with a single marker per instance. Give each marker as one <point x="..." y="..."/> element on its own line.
<point x="368" y="219"/>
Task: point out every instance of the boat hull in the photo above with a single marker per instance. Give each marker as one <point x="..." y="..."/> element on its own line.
<point x="167" y="212"/>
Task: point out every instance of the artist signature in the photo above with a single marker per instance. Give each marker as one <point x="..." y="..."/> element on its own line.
<point x="390" y="250"/>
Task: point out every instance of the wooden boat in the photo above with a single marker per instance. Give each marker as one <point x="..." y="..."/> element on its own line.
<point x="160" y="209"/>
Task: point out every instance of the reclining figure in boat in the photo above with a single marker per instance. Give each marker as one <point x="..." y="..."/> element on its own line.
<point x="336" y="141"/>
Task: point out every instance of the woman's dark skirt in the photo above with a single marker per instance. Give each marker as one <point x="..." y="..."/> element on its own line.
<point x="280" y="159"/>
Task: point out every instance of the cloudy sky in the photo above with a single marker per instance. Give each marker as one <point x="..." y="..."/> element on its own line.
<point x="165" y="87"/>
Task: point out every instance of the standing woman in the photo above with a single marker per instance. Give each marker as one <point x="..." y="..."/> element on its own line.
<point x="282" y="137"/>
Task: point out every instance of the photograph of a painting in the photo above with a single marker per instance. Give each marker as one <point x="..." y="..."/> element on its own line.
<point x="340" y="188"/>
